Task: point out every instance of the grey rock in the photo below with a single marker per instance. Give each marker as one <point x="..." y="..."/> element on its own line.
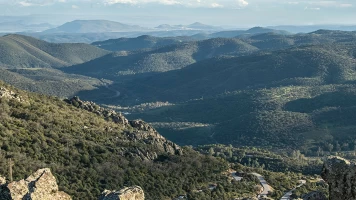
<point x="5" y="93"/>
<point x="127" y="193"/>
<point x="94" y="108"/>
<point x="41" y="185"/>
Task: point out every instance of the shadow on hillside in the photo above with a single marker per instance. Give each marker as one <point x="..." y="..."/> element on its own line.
<point x="332" y="99"/>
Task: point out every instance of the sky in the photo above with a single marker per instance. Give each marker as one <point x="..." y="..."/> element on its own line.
<point x="231" y="13"/>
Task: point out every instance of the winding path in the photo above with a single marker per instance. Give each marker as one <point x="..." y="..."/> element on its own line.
<point x="266" y="188"/>
<point x="117" y="93"/>
<point x="288" y="194"/>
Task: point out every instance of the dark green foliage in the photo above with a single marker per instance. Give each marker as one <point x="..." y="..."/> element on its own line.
<point x="86" y="157"/>
<point x="51" y="81"/>
<point x="17" y="51"/>
<point x="162" y="59"/>
<point x="141" y="42"/>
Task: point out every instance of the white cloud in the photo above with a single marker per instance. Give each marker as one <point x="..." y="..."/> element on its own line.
<point x="25" y="3"/>
<point x="346" y="5"/>
<point x="110" y="2"/>
<point x="75" y="6"/>
<point x="242" y="3"/>
<point x="311" y="8"/>
<point x="329" y="4"/>
<point x="216" y="5"/>
<point x="188" y="3"/>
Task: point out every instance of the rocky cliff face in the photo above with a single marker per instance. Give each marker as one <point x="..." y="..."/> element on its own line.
<point x="41" y="185"/>
<point x="128" y="193"/>
<point x="145" y="132"/>
<point x="340" y="174"/>
<point x="141" y="131"/>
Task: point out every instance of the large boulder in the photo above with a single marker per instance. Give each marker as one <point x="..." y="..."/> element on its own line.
<point x="41" y="185"/>
<point x="340" y="174"/>
<point x="127" y="193"/>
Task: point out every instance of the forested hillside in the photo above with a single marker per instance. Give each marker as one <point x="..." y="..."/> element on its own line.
<point x="18" y="51"/>
<point x="301" y="97"/>
<point x="265" y="89"/>
<point x="91" y="152"/>
<point x="162" y="59"/>
<point x="141" y="42"/>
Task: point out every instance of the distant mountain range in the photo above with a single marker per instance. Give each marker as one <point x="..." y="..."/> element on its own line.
<point x="171" y="57"/>
<point x="94" y="26"/>
<point x="12" y="27"/>
<point x="194" y="26"/>
<point x="264" y="87"/>
<point x="88" y="31"/>
<point x="312" y="28"/>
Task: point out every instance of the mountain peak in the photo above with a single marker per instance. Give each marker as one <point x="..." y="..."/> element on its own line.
<point x="197" y="24"/>
<point x="94" y="26"/>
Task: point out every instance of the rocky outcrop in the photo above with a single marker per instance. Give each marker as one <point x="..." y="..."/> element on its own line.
<point x="2" y="180"/>
<point x="142" y="131"/>
<point x="128" y="193"/>
<point x="41" y="185"/>
<point x="340" y="174"/>
<point x="146" y="133"/>
<point x="93" y="107"/>
<point x="5" y="93"/>
<point x="316" y="195"/>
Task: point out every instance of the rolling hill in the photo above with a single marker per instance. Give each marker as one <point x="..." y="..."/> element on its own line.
<point x="17" y="51"/>
<point x="141" y="42"/>
<point x="94" y="26"/>
<point x="162" y="59"/>
<point x="300" y="97"/>
<point x="52" y="82"/>
<point x="244" y="33"/>
<point x="265" y="89"/>
<point x="274" y="41"/>
<point x="308" y="65"/>
<point x="193" y="26"/>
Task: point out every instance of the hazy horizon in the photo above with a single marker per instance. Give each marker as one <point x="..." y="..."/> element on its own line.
<point x="151" y="13"/>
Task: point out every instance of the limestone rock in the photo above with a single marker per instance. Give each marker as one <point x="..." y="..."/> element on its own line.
<point x="149" y="135"/>
<point x="143" y="132"/>
<point x="93" y="107"/>
<point x="5" y="93"/>
<point x="41" y="185"/>
<point x="141" y="125"/>
<point x="340" y="174"/>
<point x="2" y="180"/>
<point x="316" y="195"/>
<point x="128" y="193"/>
